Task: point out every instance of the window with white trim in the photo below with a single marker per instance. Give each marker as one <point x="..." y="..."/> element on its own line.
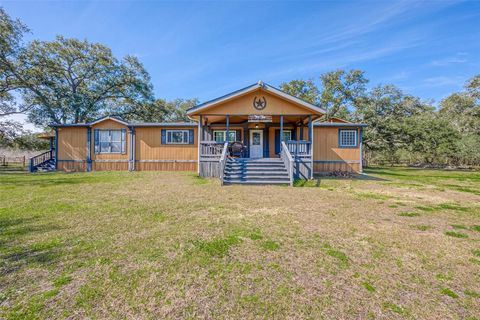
<point x="348" y="138"/>
<point x="287" y="135"/>
<point x="111" y="141"/>
<point x="177" y="137"/>
<point x="219" y="135"/>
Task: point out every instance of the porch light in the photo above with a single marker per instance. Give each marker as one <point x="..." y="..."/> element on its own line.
<point x="256" y="125"/>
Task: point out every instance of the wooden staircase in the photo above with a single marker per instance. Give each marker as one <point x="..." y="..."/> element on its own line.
<point x="44" y="162"/>
<point x="255" y="171"/>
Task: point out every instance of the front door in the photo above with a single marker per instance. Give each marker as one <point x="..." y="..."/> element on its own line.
<point x="256" y="143"/>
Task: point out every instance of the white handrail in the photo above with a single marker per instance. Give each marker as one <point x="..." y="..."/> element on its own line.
<point x="287" y="160"/>
<point x="223" y="161"/>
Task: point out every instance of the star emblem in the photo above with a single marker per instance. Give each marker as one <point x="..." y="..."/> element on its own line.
<point x="259" y="103"/>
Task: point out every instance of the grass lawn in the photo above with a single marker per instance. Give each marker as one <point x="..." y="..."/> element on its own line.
<point x="400" y="243"/>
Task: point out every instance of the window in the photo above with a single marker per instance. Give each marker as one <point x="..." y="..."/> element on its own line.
<point x="177" y="137"/>
<point x="287" y="135"/>
<point x="219" y="136"/>
<point x="109" y="141"/>
<point x="347" y="138"/>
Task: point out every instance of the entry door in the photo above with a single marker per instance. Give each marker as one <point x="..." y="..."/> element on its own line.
<point x="256" y="143"/>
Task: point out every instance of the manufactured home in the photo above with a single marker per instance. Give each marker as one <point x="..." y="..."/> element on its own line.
<point x="258" y="134"/>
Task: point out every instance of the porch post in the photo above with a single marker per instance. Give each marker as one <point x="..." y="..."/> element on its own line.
<point x="281" y="130"/>
<point x="310" y="138"/>
<point x="200" y="136"/>
<point x="310" y="129"/>
<point x="228" y="129"/>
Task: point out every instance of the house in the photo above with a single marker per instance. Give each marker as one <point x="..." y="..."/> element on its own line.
<point x="275" y="137"/>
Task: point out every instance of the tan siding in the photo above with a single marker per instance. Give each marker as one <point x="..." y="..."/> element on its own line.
<point x="106" y="125"/>
<point x="166" y="166"/>
<point x="325" y="148"/>
<point x="71" y="166"/>
<point x="149" y="146"/>
<point x="72" y="143"/>
<point x="110" y="166"/>
<point x="244" y="105"/>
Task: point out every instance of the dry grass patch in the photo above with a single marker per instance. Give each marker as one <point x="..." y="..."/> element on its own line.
<point x="172" y="245"/>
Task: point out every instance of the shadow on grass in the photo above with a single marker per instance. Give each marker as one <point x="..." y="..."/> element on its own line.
<point x="409" y="172"/>
<point x="51" y="179"/>
<point x="317" y="180"/>
<point x="14" y="255"/>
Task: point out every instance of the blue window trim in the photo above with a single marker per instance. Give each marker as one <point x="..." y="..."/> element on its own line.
<point x="123" y="142"/>
<point x="348" y="147"/>
<point x="184" y="131"/>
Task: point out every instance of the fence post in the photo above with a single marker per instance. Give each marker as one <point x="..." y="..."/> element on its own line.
<point x="31" y="165"/>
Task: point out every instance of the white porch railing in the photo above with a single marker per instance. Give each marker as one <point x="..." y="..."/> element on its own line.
<point x="223" y="161"/>
<point x="210" y="150"/>
<point x="300" y="148"/>
<point x="287" y="160"/>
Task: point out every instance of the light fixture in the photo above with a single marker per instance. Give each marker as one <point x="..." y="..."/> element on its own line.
<point x="256" y="125"/>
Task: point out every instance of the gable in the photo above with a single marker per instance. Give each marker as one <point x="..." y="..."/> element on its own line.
<point x="108" y="124"/>
<point x="244" y="104"/>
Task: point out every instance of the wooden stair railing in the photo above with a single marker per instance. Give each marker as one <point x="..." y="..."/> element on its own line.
<point x="41" y="159"/>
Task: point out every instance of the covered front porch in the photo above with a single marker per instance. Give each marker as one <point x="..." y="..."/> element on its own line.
<point x="284" y="137"/>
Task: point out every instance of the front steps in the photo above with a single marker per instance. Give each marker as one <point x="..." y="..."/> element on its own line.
<point x="47" y="166"/>
<point x="255" y="171"/>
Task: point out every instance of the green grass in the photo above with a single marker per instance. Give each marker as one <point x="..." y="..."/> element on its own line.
<point x="456" y="234"/>
<point x="171" y="245"/>
<point x="449" y="292"/>
<point x="409" y="214"/>
<point x="368" y="286"/>
<point x="422" y="227"/>
<point x="459" y="226"/>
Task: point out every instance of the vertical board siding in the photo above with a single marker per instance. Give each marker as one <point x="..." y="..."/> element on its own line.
<point x="110" y="166"/>
<point x="72" y="166"/>
<point x="149" y="146"/>
<point x="72" y="142"/>
<point x="325" y="148"/>
<point x="166" y="166"/>
<point x="110" y="125"/>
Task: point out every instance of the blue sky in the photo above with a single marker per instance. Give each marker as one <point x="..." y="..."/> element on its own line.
<point x="206" y="49"/>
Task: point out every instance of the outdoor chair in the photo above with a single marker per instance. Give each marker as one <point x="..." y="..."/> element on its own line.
<point x="237" y="149"/>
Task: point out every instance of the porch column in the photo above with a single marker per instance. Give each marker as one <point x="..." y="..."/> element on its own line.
<point x="281" y="130"/>
<point x="200" y="136"/>
<point x="228" y="129"/>
<point x="310" y="129"/>
<point x="310" y="138"/>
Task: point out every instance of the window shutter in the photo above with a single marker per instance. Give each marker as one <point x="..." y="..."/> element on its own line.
<point x="124" y="141"/>
<point x="294" y="134"/>
<point x="191" y="136"/>
<point x="277" y="141"/>
<point x="164" y="136"/>
<point x="96" y="141"/>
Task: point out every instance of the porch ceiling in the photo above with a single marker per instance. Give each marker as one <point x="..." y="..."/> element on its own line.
<point x="243" y="119"/>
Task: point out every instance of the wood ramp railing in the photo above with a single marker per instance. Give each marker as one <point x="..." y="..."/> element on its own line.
<point x="212" y="156"/>
<point x="40" y="159"/>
